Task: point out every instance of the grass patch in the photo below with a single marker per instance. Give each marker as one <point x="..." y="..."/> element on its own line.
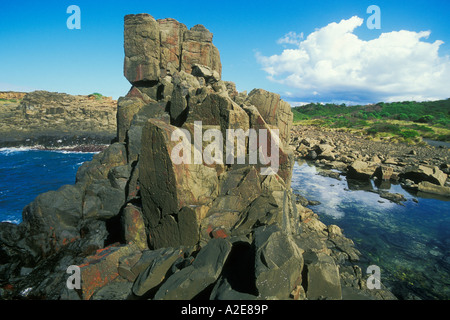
<point x="407" y="121"/>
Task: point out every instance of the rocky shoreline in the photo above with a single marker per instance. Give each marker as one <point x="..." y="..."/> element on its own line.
<point x="54" y="120"/>
<point x="422" y="169"/>
<point x="139" y="226"/>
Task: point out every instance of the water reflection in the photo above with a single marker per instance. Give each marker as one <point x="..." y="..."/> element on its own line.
<point x="409" y="242"/>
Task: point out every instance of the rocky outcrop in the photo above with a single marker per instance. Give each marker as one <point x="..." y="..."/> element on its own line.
<point x="12" y="95"/>
<point x="53" y="120"/>
<point x="172" y="210"/>
<point x="156" y="48"/>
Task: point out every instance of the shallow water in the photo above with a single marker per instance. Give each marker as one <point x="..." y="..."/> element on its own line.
<point x="435" y="143"/>
<point x="410" y="243"/>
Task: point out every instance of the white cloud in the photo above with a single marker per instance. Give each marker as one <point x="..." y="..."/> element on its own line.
<point x="332" y="63"/>
<point x="291" y="38"/>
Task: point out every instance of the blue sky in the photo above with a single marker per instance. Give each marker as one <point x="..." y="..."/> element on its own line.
<point x="320" y="51"/>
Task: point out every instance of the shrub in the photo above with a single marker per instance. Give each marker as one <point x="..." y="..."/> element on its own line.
<point x="98" y="96"/>
<point x="384" y="127"/>
<point x="425" y="119"/>
<point x="402" y="116"/>
<point x="409" y="133"/>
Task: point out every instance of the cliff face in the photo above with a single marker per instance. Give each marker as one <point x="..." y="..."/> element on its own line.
<point x="42" y="117"/>
<point x="141" y="224"/>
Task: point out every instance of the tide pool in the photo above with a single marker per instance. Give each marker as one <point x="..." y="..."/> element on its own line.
<point x="409" y="242"/>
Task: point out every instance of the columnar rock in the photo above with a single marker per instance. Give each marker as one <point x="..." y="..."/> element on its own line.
<point x="142" y="48"/>
<point x="172" y="37"/>
<point x="198" y="49"/>
<point x="155" y="46"/>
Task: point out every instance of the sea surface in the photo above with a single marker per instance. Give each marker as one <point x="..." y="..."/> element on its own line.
<point x="410" y="242"/>
<point x="26" y="173"/>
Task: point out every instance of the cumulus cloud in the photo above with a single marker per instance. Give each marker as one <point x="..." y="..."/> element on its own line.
<point x="291" y="38"/>
<point x="333" y="64"/>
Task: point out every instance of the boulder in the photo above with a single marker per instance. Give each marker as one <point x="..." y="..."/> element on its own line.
<point x="419" y="173"/>
<point x="156" y="272"/>
<point x="134" y="226"/>
<point x="322" y="275"/>
<point x="126" y="109"/>
<point x="102" y="201"/>
<point x="134" y="134"/>
<point x="238" y="189"/>
<point x="384" y="172"/>
<point x="204" y="271"/>
<point x="51" y="220"/>
<point x="117" y="289"/>
<point x="101" y="164"/>
<point x="278" y="263"/>
<point x="101" y="268"/>
<point x="210" y="76"/>
<point x="214" y="109"/>
<point x="429" y="187"/>
<point x="360" y="170"/>
<point x="394" y="197"/>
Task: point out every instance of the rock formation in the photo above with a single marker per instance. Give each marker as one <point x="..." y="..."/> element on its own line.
<point x="53" y="120"/>
<point x="140" y="225"/>
<point x="12" y="95"/>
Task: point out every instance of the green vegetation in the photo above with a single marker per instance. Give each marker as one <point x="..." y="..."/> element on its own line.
<point x="98" y="96"/>
<point x="8" y="100"/>
<point x="407" y="121"/>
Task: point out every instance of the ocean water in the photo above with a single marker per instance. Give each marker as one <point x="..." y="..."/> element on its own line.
<point x="26" y="173"/>
<point x="410" y="242"/>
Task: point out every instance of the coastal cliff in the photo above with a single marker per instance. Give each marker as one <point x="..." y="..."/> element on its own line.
<point x="55" y="120"/>
<point x="139" y="225"/>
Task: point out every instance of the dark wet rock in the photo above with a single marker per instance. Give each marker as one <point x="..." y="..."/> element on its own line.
<point x="394" y="197"/>
<point x="156" y="272"/>
<point x="118" y="289"/>
<point x="330" y="174"/>
<point x="194" y="279"/>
